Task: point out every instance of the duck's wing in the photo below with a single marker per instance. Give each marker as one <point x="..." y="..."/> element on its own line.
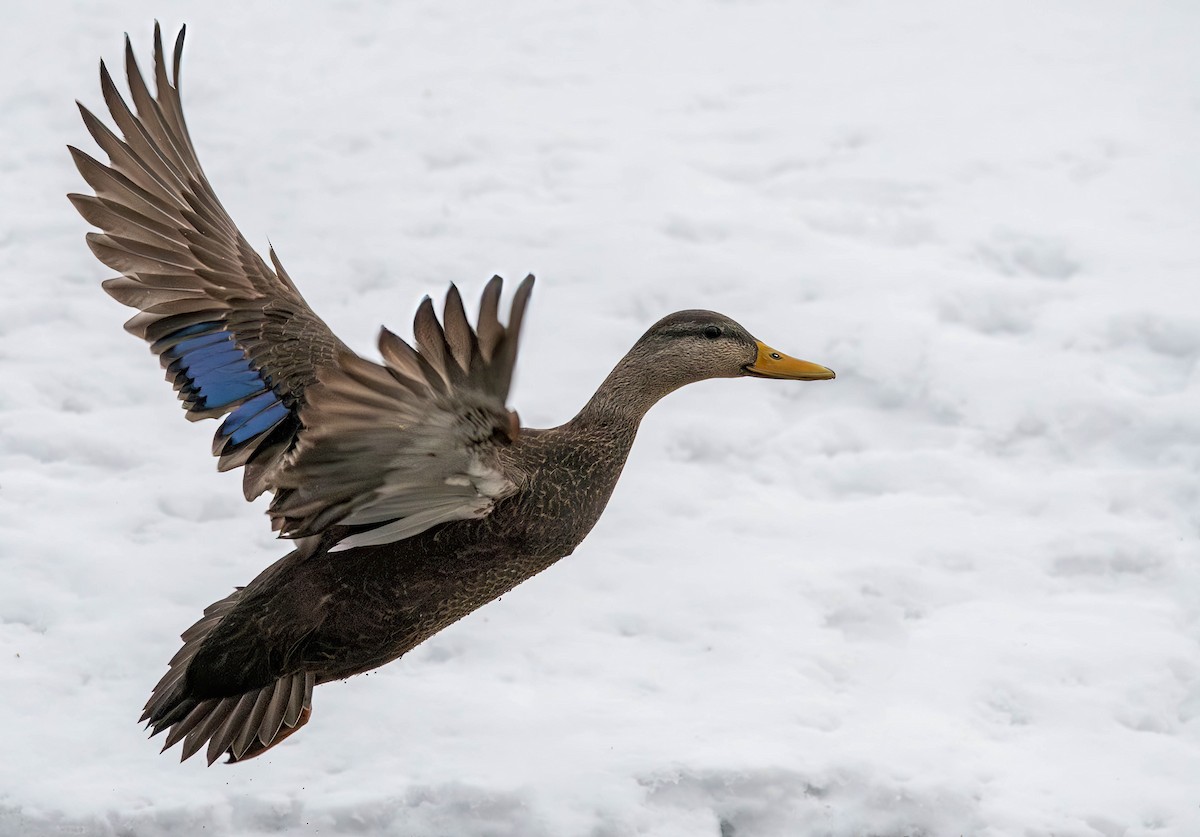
<point x="235" y="336"/>
<point x="383" y="451"/>
<point x="391" y="450"/>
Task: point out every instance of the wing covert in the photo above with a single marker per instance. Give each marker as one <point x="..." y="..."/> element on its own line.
<point x="394" y="449"/>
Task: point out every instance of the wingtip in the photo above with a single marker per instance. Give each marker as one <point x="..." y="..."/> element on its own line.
<point x="158" y="44"/>
<point x="525" y="288"/>
<point x="177" y="55"/>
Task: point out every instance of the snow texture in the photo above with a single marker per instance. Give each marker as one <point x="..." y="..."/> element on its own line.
<point x="955" y="591"/>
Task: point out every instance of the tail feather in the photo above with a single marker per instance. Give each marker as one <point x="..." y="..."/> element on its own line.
<point x="242" y="725"/>
<point x="223" y="737"/>
<point x="203" y="731"/>
<point x="248" y="733"/>
<point x="168" y="696"/>
<point x="256" y="747"/>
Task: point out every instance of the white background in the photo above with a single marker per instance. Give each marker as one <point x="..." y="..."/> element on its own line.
<point x="955" y="591"/>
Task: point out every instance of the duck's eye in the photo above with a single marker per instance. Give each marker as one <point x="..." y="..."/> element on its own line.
<point x="712" y="332"/>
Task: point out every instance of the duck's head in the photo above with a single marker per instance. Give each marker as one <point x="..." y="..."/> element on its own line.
<point x="695" y="345"/>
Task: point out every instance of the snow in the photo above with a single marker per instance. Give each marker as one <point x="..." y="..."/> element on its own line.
<point x="955" y="591"/>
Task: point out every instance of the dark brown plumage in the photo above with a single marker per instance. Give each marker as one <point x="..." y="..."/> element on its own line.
<point x="411" y="492"/>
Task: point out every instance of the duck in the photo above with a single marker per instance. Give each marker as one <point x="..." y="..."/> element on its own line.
<point x="408" y="488"/>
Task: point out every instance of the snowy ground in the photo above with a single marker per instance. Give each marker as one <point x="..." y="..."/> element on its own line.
<point x="956" y="591"/>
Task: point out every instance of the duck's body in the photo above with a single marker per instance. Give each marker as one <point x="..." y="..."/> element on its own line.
<point x="411" y="492"/>
<point x="343" y="613"/>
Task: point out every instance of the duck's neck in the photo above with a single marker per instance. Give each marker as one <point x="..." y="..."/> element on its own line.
<point x="629" y="391"/>
<point x="589" y="452"/>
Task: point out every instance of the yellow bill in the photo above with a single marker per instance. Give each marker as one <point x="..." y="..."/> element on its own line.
<point x="773" y="364"/>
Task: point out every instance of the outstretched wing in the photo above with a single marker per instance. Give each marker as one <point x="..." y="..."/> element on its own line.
<point x="383" y="451"/>
<point x="235" y="337"/>
<point x="392" y="450"/>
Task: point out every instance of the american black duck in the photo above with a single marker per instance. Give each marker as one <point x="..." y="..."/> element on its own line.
<point x="411" y="492"/>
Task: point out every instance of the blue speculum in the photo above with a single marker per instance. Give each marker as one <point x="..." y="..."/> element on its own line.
<point x="218" y="374"/>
